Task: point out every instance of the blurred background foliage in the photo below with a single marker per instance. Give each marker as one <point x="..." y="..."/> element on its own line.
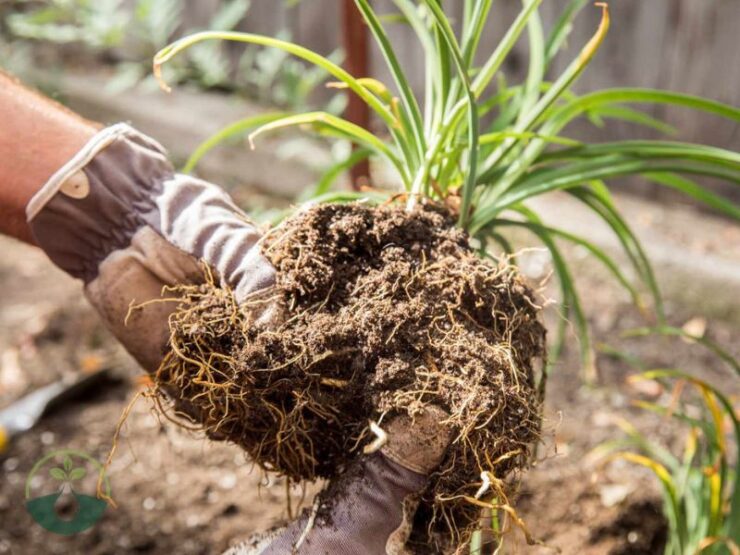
<point x="125" y="36"/>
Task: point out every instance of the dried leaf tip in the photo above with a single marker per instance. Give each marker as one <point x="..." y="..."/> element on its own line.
<point x="157" y="70"/>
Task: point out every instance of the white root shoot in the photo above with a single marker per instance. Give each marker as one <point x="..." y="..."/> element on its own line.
<point x="381" y="438"/>
<point x="309" y="524"/>
<point x="485" y="486"/>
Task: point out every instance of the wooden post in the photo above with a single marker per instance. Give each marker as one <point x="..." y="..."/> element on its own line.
<point x="357" y="63"/>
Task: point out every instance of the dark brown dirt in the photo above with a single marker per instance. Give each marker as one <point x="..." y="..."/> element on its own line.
<point x="381" y="312"/>
<point x="207" y="496"/>
<point x="642" y="524"/>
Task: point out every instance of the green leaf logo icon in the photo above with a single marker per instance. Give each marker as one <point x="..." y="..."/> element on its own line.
<point x="74" y="467"/>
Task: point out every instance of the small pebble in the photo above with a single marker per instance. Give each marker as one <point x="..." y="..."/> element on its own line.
<point x="227" y="481"/>
<point x="617" y="400"/>
<point x="602" y="419"/>
<point x="10" y="464"/>
<point x="613" y="494"/>
<point x="149" y="504"/>
<point x="47" y="438"/>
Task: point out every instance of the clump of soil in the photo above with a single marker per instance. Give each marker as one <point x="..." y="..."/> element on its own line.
<point x="376" y="311"/>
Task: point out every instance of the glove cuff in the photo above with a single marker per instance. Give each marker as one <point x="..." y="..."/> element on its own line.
<point x="98" y="200"/>
<point x="97" y="143"/>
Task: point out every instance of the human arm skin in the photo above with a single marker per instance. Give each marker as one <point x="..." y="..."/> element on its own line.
<point x="37" y="136"/>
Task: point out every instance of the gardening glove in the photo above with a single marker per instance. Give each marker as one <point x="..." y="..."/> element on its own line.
<point x="369" y="509"/>
<point x="118" y="217"/>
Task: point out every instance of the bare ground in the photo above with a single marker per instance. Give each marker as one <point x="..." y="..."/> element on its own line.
<point x="177" y="492"/>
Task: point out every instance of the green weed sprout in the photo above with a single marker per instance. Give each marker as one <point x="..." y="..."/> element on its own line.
<point x="701" y="491"/>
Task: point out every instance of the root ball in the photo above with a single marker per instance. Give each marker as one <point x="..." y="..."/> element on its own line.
<point x="384" y="312"/>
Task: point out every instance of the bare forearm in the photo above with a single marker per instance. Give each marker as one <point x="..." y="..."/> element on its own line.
<point x="37" y="136"/>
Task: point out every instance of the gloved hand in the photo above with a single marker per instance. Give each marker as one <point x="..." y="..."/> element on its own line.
<point x="120" y="218"/>
<point x="368" y="510"/>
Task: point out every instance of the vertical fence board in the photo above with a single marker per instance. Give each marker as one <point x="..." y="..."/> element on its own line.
<point x="317" y="25"/>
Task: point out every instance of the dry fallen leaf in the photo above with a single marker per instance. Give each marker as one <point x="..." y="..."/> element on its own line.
<point x="646" y="388"/>
<point x="91" y="363"/>
<point x="144" y="381"/>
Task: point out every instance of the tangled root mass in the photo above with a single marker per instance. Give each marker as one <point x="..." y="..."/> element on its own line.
<point x="383" y="312"/>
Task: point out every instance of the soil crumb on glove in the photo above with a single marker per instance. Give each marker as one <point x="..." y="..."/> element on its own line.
<point x="376" y="311"/>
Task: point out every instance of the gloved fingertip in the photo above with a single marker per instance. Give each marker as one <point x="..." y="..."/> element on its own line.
<point x="418" y="443"/>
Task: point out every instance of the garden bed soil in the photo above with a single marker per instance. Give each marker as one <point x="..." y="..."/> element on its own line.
<point x="177" y="492"/>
